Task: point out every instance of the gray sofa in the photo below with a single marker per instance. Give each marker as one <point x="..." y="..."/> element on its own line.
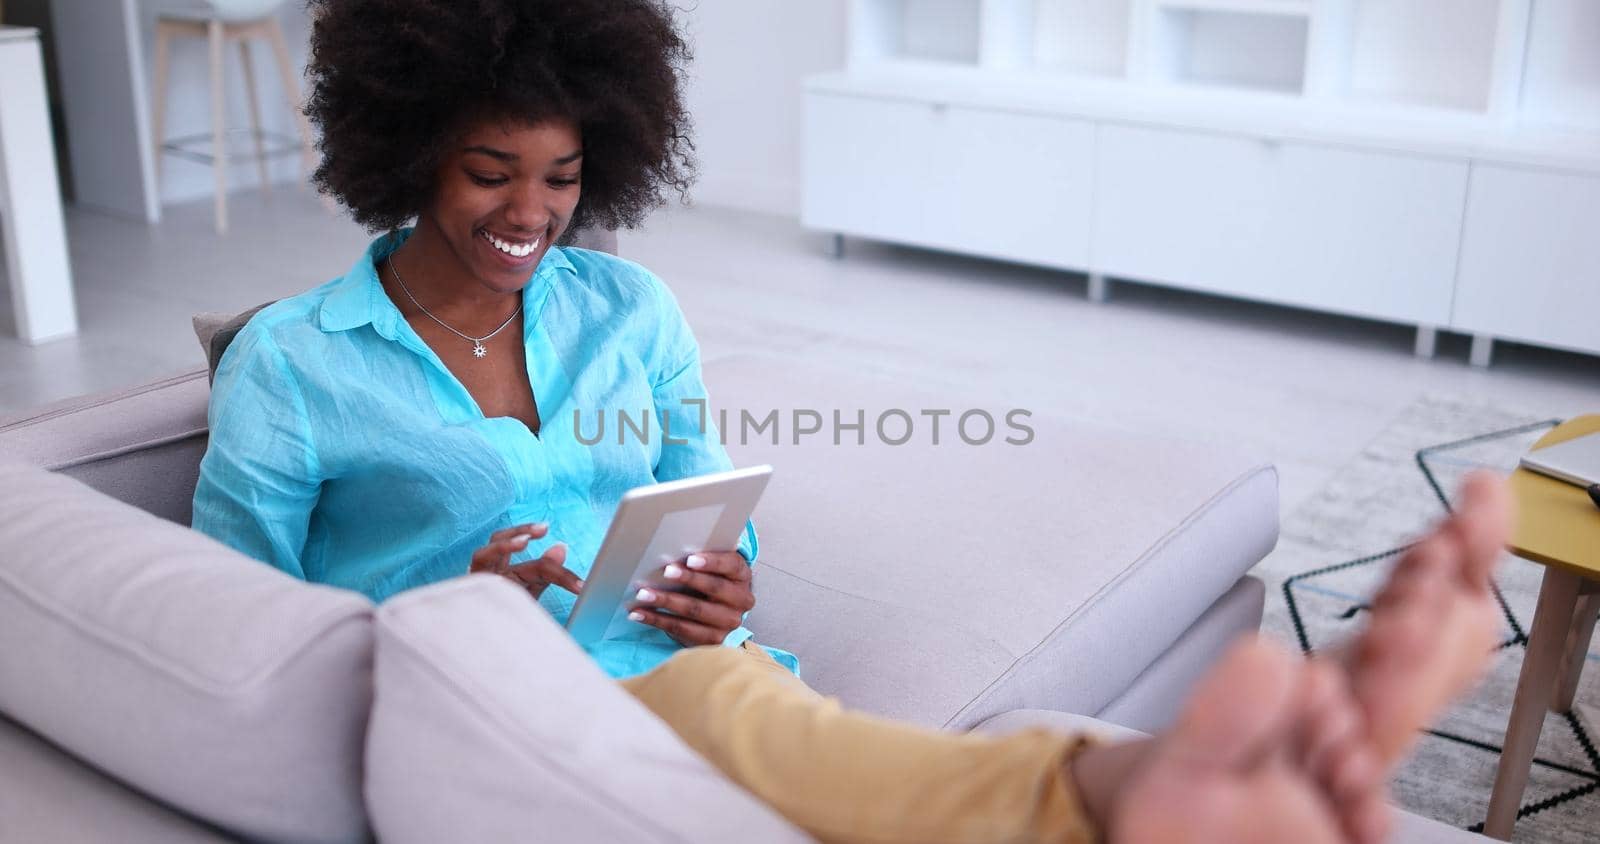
<point x="1089" y="571"/>
<point x="156" y="686"/>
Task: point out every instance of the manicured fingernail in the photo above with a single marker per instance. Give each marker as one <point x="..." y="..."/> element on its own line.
<point x="673" y="573"/>
<point x="645" y="595"/>
<point x="696" y="561"/>
<point x="520" y="541"/>
<point x="636" y="616"/>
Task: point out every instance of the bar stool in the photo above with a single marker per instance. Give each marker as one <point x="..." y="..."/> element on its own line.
<point x="223" y="22"/>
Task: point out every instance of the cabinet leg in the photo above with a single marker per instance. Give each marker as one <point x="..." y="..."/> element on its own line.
<point x="1558" y="599"/>
<point x="1099" y="288"/>
<point x="1427" y="341"/>
<point x="1577" y="653"/>
<point x="833" y="246"/>
<point x="1482" y="350"/>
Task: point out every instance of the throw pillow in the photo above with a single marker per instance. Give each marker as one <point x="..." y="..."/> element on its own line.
<point x="489" y="724"/>
<point x="200" y="677"/>
<point x="215" y="331"/>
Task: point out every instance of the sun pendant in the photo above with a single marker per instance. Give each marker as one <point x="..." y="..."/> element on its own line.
<point x="478" y="350"/>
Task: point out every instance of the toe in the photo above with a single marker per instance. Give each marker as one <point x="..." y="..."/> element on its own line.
<point x="1330" y="718"/>
<point x="1354" y="773"/>
<point x="1484" y="521"/>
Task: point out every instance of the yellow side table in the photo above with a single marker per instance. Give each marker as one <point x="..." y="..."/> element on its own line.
<point x="1558" y="526"/>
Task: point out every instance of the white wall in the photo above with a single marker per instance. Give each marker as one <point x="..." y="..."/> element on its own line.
<point x="750" y="59"/>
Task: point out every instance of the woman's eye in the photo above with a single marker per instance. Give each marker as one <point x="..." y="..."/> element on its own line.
<point x="563" y="183"/>
<point x="486" y="181"/>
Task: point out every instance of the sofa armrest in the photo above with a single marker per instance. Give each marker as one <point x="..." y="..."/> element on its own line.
<point x="141" y="445"/>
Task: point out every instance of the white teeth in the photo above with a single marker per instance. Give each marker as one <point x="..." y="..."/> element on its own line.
<point x="514" y="250"/>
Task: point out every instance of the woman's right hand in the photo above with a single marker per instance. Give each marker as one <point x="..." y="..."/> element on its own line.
<point x="534" y="575"/>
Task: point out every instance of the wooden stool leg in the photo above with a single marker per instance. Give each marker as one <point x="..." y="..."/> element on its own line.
<point x="1577" y="653"/>
<point x="159" y="118"/>
<point x="1558" y="597"/>
<point x="291" y="89"/>
<point x="255" y="113"/>
<point x="219" y="163"/>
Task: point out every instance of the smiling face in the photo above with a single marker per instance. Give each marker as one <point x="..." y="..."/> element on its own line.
<point x="503" y="195"/>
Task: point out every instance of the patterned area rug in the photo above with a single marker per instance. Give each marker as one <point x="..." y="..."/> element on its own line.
<point x="1338" y="546"/>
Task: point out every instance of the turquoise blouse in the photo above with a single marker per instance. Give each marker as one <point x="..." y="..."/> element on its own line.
<point x="344" y="452"/>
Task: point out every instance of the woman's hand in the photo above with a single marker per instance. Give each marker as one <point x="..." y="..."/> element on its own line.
<point x="717" y="593"/>
<point x="534" y="575"/>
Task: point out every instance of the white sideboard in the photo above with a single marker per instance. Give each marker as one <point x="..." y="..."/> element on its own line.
<point x="1530" y="257"/>
<point x="1326" y="175"/>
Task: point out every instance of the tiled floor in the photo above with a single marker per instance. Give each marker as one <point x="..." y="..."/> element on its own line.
<point x="1305" y="390"/>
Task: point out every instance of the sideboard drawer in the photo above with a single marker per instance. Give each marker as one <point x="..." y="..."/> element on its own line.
<point x="1374" y="234"/>
<point x="1366" y="233"/>
<point x="867" y="166"/>
<point x="1530" y="257"/>
<point x="1190" y="209"/>
<point x="974" y="181"/>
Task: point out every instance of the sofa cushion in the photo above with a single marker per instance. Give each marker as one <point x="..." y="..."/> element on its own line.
<point x="198" y="676"/>
<point x="47" y="795"/>
<point x="944" y="583"/>
<point x="490" y="725"/>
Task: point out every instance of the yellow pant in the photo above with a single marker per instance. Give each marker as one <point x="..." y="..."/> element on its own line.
<point x="847" y="777"/>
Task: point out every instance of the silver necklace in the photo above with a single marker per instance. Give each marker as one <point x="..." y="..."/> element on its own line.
<point x="478" y="349"/>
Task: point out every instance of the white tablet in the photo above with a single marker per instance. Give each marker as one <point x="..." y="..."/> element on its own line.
<point x="1576" y="461"/>
<point x="656" y="525"/>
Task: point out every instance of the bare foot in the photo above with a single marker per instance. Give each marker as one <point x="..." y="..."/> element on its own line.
<point x="1434" y="623"/>
<point x="1433" y="626"/>
<point x="1274" y="748"/>
<point x="1227" y="772"/>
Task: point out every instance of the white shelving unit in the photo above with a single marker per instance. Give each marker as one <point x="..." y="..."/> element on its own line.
<point x="914" y="32"/>
<point x="1081" y="37"/>
<point x="1247" y="44"/>
<point x="1436" y="53"/>
<point x="1331" y="154"/>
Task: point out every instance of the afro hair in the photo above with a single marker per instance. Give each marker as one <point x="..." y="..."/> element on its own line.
<point x="395" y="82"/>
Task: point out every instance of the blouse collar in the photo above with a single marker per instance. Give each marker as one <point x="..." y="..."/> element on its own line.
<point x="358" y="299"/>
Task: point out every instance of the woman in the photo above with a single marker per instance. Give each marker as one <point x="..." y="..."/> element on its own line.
<point x="415" y="419"/>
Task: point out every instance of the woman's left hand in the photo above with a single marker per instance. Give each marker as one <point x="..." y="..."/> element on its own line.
<point x="717" y="592"/>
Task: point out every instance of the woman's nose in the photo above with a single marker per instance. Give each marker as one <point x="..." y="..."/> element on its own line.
<point x="529" y="210"/>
